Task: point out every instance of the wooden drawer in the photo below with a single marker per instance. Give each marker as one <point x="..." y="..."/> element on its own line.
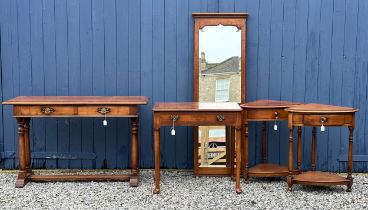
<point x="43" y="110"/>
<point x="266" y="114"/>
<point x="112" y="110"/>
<point x="199" y="118"/>
<point x="315" y="119"/>
<point x="74" y="111"/>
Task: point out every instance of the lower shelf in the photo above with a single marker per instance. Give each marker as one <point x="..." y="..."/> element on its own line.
<point x="319" y="178"/>
<point x="268" y="170"/>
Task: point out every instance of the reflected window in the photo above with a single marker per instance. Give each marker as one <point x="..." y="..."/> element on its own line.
<point x="222" y="90"/>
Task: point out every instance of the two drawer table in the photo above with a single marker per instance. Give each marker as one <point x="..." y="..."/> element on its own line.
<point x="196" y="114"/>
<point x="27" y="107"/>
<point x="320" y="115"/>
<point x="265" y="111"/>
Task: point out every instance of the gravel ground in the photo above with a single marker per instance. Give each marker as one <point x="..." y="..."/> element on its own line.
<point x="179" y="190"/>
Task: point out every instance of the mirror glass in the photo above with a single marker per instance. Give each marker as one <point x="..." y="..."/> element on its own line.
<point x="219" y="81"/>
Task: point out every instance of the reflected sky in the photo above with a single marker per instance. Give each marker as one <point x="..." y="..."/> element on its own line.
<point x="219" y="42"/>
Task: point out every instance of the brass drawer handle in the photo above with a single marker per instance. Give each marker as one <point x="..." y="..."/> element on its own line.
<point x="103" y="110"/>
<point x="276" y="113"/>
<point x="47" y="110"/>
<point x="324" y="120"/>
<point x="174" y="117"/>
<point x="220" y="117"/>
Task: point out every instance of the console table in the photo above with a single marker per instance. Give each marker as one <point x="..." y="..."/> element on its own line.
<point x="265" y="111"/>
<point x="27" y="107"/>
<point x="196" y="114"/>
<point x="320" y="115"/>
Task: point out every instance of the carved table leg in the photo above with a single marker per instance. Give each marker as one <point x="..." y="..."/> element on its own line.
<point x="264" y="143"/>
<point x="22" y="174"/>
<point x="157" y="160"/>
<point x="27" y="146"/>
<point x="350" y="159"/>
<point x="238" y="159"/>
<point x="299" y="147"/>
<point x="290" y="163"/>
<point x="134" y="153"/>
<point x="245" y="174"/>
<point x="314" y="154"/>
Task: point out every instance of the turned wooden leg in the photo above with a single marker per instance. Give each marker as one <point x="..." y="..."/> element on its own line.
<point x="134" y="153"/>
<point x="238" y="159"/>
<point x="299" y="147"/>
<point x="157" y="160"/>
<point x="314" y="154"/>
<point x="246" y="167"/>
<point x="290" y="163"/>
<point x="22" y="174"/>
<point x="350" y="159"/>
<point x="264" y="143"/>
<point x="232" y="151"/>
<point x="27" y="146"/>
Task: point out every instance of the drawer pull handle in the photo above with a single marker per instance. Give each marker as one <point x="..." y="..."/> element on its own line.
<point x="276" y="117"/>
<point x="220" y="117"/>
<point x="103" y="110"/>
<point x="276" y="114"/>
<point x="324" y="119"/>
<point x="47" y="110"/>
<point x="174" y="117"/>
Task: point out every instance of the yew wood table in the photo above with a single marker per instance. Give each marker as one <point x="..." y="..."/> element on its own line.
<point x="196" y="114"/>
<point x="27" y="107"/>
<point x="265" y="111"/>
<point x="320" y="115"/>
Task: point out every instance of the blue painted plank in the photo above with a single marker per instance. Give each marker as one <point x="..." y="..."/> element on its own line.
<point x="212" y="6"/>
<point x="122" y="20"/>
<point x="349" y="69"/>
<point x="62" y="72"/>
<point x="99" y="132"/>
<point x="361" y="81"/>
<point x="170" y="76"/>
<point x="323" y="83"/>
<point x="193" y="6"/>
<point x="2" y="6"/>
<point x="9" y="59"/>
<point x="287" y="68"/>
<point x="74" y="75"/>
<point x="50" y="77"/>
<point x="252" y="66"/>
<point x="275" y="63"/>
<point x="110" y="77"/>
<point x="226" y="5"/>
<point x="182" y="78"/>
<point x="338" y="23"/>
<point x="85" y="15"/>
<point x="37" y="73"/>
<point x="146" y="119"/>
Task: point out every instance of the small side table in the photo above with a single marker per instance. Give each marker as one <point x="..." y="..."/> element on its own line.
<point x="196" y="114"/>
<point x="320" y="115"/>
<point x="265" y="111"/>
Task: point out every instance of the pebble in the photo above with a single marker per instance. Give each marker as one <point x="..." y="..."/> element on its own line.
<point x="179" y="190"/>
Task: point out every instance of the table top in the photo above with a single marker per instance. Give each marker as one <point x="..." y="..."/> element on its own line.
<point x="265" y="103"/>
<point x="77" y="100"/>
<point x="196" y="106"/>
<point x="320" y="108"/>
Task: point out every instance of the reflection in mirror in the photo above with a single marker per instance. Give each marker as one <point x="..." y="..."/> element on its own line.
<point x="219" y="81"/>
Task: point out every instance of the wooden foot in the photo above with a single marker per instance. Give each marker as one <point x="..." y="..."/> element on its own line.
<point x="348" y="189"/>
<point x="133" y="181"/>
<point x="290" y="184"/>
<point x="239" y="191"/>
<point x="22" y="180"/>
<point x="156" y="191"/>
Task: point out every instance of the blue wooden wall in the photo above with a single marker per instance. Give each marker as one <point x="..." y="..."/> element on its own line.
<point x="306" y="50"/>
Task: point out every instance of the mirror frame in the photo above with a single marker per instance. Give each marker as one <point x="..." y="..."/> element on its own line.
<point x="213" y="19"/>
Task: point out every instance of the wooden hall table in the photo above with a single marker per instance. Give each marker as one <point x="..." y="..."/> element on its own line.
<point x="26" y="107"/>
<point x="265" y="111"/>
<point x="320" y="115"/>
<point x="196" y="114"/>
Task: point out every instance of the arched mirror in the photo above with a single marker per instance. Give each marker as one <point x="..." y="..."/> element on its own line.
<point x="219" y="76"/>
